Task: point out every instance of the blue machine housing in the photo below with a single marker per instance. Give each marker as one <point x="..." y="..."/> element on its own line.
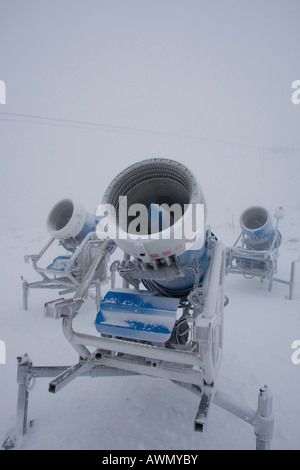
<point x="89" y="226"/>
<point x="58" y="264"/>
<point x="194" y="263"/>
<point x="137" y="314"/>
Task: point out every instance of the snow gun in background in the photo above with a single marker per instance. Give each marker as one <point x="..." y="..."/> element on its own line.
<point x="258" y="229"/>
<point x="255" y="252"/>
<point x="166" y="319"/>
<point x="69" y="222"/>
<point x="74" y="229"/>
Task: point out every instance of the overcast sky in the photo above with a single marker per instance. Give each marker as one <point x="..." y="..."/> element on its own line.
<point x="219" y="71"/>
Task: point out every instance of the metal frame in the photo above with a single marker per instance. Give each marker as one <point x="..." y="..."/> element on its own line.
<point x="193" y="365"/>
<point x="70" y="278"/>
<point x="261" y="419"/>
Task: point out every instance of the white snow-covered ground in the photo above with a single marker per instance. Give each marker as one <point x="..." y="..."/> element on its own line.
<point x="142" y="412"/>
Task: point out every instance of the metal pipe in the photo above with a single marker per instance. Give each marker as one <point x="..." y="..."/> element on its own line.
<point x="225" y="401"/>
<point x="216" y="274"/>
<point x="292" y="278"/>
<point x="85" y="284"/>
<point x="69" y="334"/>
<point x="159" y="369"/>
<point x="264" y="420"/>
<point x="136" y="349"/>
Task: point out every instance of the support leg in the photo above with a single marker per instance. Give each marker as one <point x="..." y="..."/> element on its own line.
<point x="271" y="278"/>
<point x="292" y="278"/>
<point x="25" y="295"/>
<point x="24" y="378"/>
<point x="264" y="421"/>
<point x="201" y="416"/>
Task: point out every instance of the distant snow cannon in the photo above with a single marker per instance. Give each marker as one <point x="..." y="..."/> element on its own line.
<point x="258" y="229"/>
<point x="75" y="229"/>
<point x="158" y="218"/>
<point x="69" y="219"/>
<point x="255" y="252"/>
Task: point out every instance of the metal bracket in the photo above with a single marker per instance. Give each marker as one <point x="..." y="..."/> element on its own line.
<point x="62" y="307"/>
<point x="70" y="374"/>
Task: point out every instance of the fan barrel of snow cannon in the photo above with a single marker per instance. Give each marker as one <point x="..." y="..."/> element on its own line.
<point x="69" y="219"/>
<point x="154" y="188"/>
<point x="174" y="221"/>
<point x="256" y="223"/>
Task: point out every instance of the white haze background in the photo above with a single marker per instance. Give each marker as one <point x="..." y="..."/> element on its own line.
<point x="216" y="77"/>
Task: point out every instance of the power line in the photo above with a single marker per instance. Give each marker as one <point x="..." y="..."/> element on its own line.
<point x="64" y="125"/>
<point x="105" y="127"/>
<point x="95" y="125"/>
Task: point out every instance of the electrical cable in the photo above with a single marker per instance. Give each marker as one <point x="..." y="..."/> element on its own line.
<point x="105" y="127"/>
<point x="87" y="125"/>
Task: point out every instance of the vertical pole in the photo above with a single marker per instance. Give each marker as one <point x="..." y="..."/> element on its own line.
<point x="25" y="295"/>
<point x="264" y="420"/>
<point x="98" y="294"/>
<point x="202" y="413"/>
<point x="292" y="279"/>
<point x="23" y="377"/>
<point x="271" y="278"/>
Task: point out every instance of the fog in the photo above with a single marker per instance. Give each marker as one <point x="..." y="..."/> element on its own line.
<point x="207" y="83"/>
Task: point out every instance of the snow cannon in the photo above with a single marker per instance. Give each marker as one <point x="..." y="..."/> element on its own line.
<point x="69" y="220"/>
<point x="158" y="219"/>
<point x="155" y="212"/>
<point x="256" y="250"/>
<point x="75" y="229"/>
<point x="258" y="229"/>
